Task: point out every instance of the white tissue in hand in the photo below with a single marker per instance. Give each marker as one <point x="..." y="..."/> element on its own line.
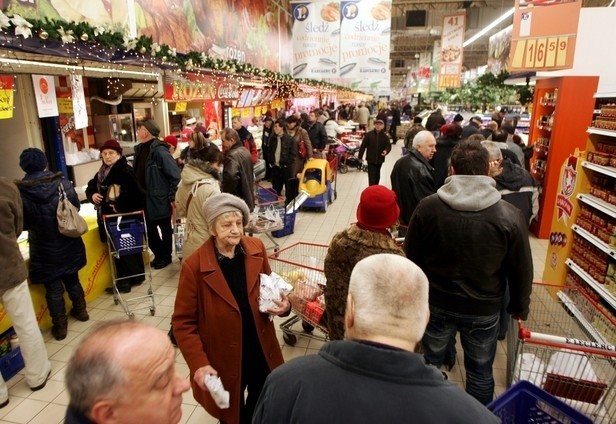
<point x="217" y="390"/>
<point x="272" y="288"/>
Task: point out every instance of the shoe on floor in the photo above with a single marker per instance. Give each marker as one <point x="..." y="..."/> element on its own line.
<point x="121" y="289"/>
<point x="40" y="386"/>
<point x="80" y="315"/>
<point x="3" y="404"/>
<point x="161" y="264"/>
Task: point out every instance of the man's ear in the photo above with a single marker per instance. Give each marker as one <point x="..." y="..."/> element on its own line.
<point x="102" y="412"/>
<point x="452" y="171"/>
<point x="349" y="316"/>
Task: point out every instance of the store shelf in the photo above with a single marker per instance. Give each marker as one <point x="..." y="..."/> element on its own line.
<point x="598" y="288"/>
<point x="597" y="203"/>
<point x="600" y="131"/>
<point x="605" y="170"/>
<point x="604" y="95"/>
<point x="598" y="243"/>
<point x="587" y="326"/>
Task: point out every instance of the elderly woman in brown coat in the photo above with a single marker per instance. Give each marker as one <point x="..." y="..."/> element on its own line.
<point x="217" y="323"/>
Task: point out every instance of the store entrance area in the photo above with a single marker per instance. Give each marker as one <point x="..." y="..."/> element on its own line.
<point x="48" y="406"/>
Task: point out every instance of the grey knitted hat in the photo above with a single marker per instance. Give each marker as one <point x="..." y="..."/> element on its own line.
<point x="217" y="205"/>
<point x="152" y="127"/>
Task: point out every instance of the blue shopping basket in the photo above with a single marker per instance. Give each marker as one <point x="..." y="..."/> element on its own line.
<point x="127" y="236"/>
<point x="525" y="403"/>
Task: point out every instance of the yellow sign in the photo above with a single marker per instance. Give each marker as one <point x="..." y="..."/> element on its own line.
<point x="181" y="106"/>
<point x="246" y="112"/>
<point x="542" y="53"/>
<point x="6" y="96"/>
<point x="278" y="104"/>
<point x="65" y="106"/>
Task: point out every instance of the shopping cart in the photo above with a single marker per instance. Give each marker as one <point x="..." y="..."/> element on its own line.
<point x="179" y="233"/>
<point x="301" y="265"/>
<point x="566" y="347"/>
<point x="268" y="214"/>
<point x="127" y="235"/>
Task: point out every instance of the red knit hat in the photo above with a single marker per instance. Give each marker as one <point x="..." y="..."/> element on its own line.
<point x="171" y="140"/>
<point x="112" y="145"/>
<point x="377" y="208"/>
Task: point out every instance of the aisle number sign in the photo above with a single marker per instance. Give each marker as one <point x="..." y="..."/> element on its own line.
<point x="544" y="34"/>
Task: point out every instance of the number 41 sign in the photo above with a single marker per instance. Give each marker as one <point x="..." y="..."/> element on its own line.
<point x="544" y="35"/>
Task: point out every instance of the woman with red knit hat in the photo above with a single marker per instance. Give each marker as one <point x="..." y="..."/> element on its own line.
<point x="377" y="212"/>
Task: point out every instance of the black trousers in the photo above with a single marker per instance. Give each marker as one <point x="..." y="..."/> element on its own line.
<point x="281" y="177"/>
<point x="161" y="244"/>
<point x="130" y="270"/>
<point x="374" y="173"/>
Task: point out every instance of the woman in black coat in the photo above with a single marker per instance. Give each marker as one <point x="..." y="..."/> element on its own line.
<point x="114" y="190"/>
<point x="55" y="259"/>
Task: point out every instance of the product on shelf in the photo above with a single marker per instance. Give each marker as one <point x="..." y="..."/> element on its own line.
<point x="598" y="224"/>
<point x="591" y="259"/>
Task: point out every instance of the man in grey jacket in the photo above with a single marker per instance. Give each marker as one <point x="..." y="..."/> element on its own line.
<point x="470" y="243"/>
<point x="373" y="376"/>
<point x="237" y="174"/>
<point x="15" y="294"/>
<point x="158" y="176"/>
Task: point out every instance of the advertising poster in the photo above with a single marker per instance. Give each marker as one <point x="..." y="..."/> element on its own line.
<point x="79" y="102"/>
<point x="6" y="96"/>
<point x="316" y="39"/>
<point x="364" y="54"/>
<point x="544" y="34"/>
<point x="45" y="93"/>
<point x="498" y="50"/>
<point x="452" y="52"/>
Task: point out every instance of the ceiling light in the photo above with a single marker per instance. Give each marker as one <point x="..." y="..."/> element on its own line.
<point x="416" y="56"/>
<point x="489" y="27"/>
<point x="75" y="68"/>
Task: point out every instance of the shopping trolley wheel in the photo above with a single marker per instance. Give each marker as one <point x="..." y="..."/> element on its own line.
<point x="344" y="168"/>
<point x="116" y="301"/>
<point x="152" y="311"/>
<point x="130" y="315"/>
<point x="289" y="339"/>
<point x="307" y="327"/>
<point x="150" y="292"/>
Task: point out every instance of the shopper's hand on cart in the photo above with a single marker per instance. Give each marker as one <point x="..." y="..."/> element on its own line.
<point x="283" y="306"/>
<point x="200" y="374"/>
<point x="97" y="198"/>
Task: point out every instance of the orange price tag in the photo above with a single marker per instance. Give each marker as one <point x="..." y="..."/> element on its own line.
<point x="562" y="49"/>
<point x="550" y="56"/>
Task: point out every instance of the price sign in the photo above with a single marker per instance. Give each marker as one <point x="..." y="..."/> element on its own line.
<point x="541" y="53"/>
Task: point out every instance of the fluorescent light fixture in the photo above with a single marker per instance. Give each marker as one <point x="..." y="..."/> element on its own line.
<point x="489" y="27"/>
<point x="75" y="68"/>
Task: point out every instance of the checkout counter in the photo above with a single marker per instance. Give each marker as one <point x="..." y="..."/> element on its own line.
<point x="94" y="277"/>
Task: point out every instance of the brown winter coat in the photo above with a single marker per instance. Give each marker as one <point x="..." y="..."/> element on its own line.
<point x="346" y="249"/>
<point x="208" y="326"/>
<point x="11" y="224"/>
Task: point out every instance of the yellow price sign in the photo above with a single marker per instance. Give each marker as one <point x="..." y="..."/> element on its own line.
<point x="181" y="106"/>
<point x="541" y="53"/>
<point x="246" y="112"/>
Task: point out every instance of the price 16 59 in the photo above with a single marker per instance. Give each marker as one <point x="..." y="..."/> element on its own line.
<point x="541" y="53"/>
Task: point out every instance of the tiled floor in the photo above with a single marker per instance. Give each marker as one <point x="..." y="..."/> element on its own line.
<point x="48" y="405"/>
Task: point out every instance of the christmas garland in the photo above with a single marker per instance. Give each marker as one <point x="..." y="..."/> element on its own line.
<point x="143" y="48"/>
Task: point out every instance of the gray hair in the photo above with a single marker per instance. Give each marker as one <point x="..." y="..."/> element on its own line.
<point x="231" y="134"/>
<point x="493" y="150"/>
<point x="94" y="372"/>
<point x="390" y="294"/>
<point x="422" y="137"/>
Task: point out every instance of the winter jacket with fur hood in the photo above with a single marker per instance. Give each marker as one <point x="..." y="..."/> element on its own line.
<point x="346" y="249"/>
<point x="204" y="179"/>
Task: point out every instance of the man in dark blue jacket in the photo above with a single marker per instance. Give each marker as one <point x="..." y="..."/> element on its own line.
<point x="158" y="176"/>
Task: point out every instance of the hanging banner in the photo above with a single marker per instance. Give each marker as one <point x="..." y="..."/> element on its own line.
<point x="202" y="88"/>
<point x="499" y="47"/>
<point x="79" y="102"/>
<point x="452" y="52"/>
<point x="6" y="96"/>
<point x="45" y="93"/>
<point x="364" y="55"/>
<point x="544" y="34"/>
<point x="316" y="39"/>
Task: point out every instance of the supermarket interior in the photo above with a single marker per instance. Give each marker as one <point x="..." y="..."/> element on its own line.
<point x="72" y="77"/>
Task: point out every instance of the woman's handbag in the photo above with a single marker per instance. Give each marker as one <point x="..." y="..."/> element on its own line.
<point x="70" y="223"/>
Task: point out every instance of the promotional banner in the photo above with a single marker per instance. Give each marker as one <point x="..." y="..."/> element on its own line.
<point x="79" y="102"/>
<point x="316" y="39"/>
<point x="202" y="88"/>
<point x="544" y="34"/>
<point x="364" y="52"/>
<point x="498" y="50"/>
<point x="451" y="50"/>
<point x="6" y="96"/>
<point x="45" y="93"/>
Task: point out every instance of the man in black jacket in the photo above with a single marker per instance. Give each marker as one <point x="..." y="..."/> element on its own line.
<point x="377" y="145"/>
<point x="469" y="243"/>
<point x="282" y="154"/>
<point x="237" y="173"/>
<point x="372" y="376"/>
<point x="435" y="121"/>
<point x="316" y="131"/>
<point x="412" y="178"/>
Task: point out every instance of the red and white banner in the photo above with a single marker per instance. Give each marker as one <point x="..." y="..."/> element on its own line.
<point x="45" y="93"/>
<point x="452" y="52"/>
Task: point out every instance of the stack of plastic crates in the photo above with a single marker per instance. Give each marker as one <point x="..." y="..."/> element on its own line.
<point x="301" y="265"/>
<point x="566" y="347"/>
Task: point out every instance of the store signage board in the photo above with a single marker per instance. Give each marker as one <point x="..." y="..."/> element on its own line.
<point x="80" y="110"/>
<point x="499" y="47"/>
<point x="202" y="88"/>
<point x="452" y="52"/>
<point x="544" y="34"/>
<point x="181" y="106"/>
<point x="65" y="105"/>
<point x="7" y="82"/>
<point x="316" y="39"/>
<point x="364" y="52"/>
<point x="45" y="94"/>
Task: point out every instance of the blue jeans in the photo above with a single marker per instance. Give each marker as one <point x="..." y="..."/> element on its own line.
<point x="54" y="293"/>
<point x="478" y="335"/>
